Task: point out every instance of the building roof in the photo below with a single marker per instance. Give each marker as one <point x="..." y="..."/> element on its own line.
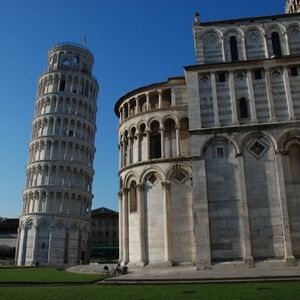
<point x="170" y="82"/>
<point x="248" y="20"/>
<point x="104" y="211"/>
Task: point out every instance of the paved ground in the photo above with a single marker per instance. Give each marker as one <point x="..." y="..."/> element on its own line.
<point x="267" y="271"/>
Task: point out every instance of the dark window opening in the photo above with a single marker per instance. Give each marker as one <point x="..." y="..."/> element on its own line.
<point x="276" y="44"/>
<point x="155" y="147"/>
<point x="234" y="49"/>
<point x="43" y="245"/>
<point x="222" y="77"/>
<point x="257" y="74"/>
<point x="62" y="85"/>
<point x="71" y="133"/>
<point x="220" y="152"/>
<point x="294" y="71"/>
<point x="243" y="108"/>
<point x="82" y="255"/>
<point x="132" y="198"/>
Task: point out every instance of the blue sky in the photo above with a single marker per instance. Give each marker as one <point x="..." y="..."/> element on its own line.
<point x="134" y="42"/>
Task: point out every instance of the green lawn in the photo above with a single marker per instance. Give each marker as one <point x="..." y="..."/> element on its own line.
<point x="255" y="291"/>
<point x="44" y="275"/>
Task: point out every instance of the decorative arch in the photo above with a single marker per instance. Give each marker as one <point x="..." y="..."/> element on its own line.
<point x="172" y="170"/>
<point x="128" y="178"/>
<point x="286" y="137"/>
<point x="258" y="134"/>
<point x="153" y="169"/>
<point x="224" y="138"/>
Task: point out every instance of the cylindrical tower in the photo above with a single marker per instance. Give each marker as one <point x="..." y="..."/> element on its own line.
<point x="155" y="198"/>
<point x="54" y="226"/>
<point x="292" y="6"/>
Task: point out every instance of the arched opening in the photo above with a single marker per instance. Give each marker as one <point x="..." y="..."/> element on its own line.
<point x="170" y="138"/>
<point x="184" y="137"/>
<point x="243" y="108"/>
<point x="132" y="197"/>
<point x="155" y="140"/>
<point x="291" y="164"/>
<point x="294" y="157"/>
<point x="62" y="85"/>
<point x="276" y="44"/>
<point x="234" y="49"/>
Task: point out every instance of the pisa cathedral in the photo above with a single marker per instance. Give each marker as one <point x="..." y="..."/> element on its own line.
<point x="210" y="162"/>
<point x="55" y="223"/>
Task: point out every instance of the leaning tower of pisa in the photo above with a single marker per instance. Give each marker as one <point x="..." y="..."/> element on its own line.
<point x="57" y="199"/>
<point x="292" y="6"/>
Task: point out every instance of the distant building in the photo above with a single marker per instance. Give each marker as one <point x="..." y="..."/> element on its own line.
<point x="105" y="233"/>
<point x="8" y="237"/>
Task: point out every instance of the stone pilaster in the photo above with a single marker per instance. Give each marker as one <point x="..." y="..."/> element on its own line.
<point x="288" y="92"/>
<point x="201" y="216"/>
<point x="167" y="222"/>
<point x="141" y="212"/>
<point x="289" y="257"/>
<point x="251" y="97"/>
<point x="247" y="255"/>
<point x="125" y="226"/>
<point x="233" y="98"/>
<point x="215" y="99"/>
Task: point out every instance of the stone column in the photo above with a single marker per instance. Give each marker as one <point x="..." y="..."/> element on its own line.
<point x="247" y="255"/>
<point x="177" y="128"/>
<point x="141" y="211"/>
<point x="159" y="99"/>
<point x="120" y="227"/>
<point x="123" y="113"/>
<point x="139" y="138"/>
<point x="50" y="246"/>
<point x="251" y="97"/>
<point x="173" y="97"/>
<point x="215" y="99"/>
<point x="24" y="246"/>
<point x="167" y="222"/>
<point x="137" y="104"/>
<point x="201" y="216"/>
<point x="36" y="234"/>
<point x="147" y="102"/>
<point x="120" y="155"/>
<point x="148" y="143"/>
<point x="289" y="257"/>
<point x="244" y="49"/>
<point x="233" y="98"/>
<point x="270" y="95"/>
<point x="129" y="151"/>
<point x="18" y="243"/>
<point x="223" y="48"/>
<point x="125" y="226"/>
<point x="162" y="141"/>
<point x="288" y="93"/>
<point x="129" y="108"/>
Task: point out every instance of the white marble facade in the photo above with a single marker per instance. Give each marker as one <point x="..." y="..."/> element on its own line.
<point x="54" y="226"/>
<point x="210" y="162"/>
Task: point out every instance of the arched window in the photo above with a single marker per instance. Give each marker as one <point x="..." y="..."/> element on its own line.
<point x="276" y="44"/>
<point x="62" y="85"/>
<point x="155" y="141"/>
<point x="294" y="156"/>
<point x="132" y="197"/>
<point x="243" y="108"/>
<point x="234" y="48"/>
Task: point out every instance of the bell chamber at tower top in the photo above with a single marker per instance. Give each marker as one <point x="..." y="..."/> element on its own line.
<point x="74" y="57"/>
